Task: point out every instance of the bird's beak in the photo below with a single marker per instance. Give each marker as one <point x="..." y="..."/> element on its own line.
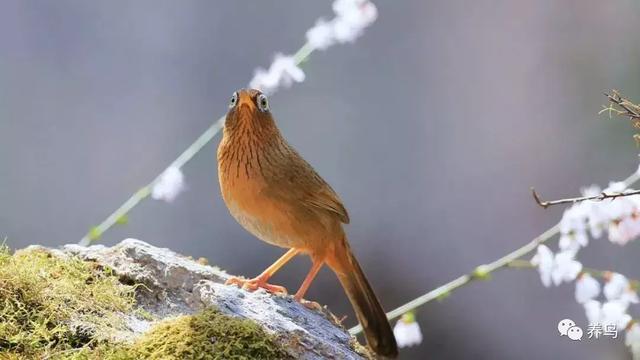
<point x="245" y="102"/>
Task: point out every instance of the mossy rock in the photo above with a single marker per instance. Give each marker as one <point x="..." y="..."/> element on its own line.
<point x="60" y="307"/>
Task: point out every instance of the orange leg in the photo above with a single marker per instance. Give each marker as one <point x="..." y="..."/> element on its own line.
<point x="260" y="281"/>
<point x="315" y="268"/>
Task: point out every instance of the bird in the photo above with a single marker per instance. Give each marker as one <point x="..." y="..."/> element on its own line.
<point x="279" y="198"/>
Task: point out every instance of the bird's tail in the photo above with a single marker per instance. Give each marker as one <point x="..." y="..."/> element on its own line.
<point x="365" y="304"/>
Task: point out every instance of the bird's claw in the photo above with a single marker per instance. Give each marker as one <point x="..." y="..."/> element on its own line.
<point x="311" y="305"/>
<point x="255" y="284"/>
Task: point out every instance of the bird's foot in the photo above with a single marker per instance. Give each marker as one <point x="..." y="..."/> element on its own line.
<point x="311" y="305"/>
<point x="255" y="284"/>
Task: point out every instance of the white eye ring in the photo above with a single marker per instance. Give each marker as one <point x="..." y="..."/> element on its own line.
<point x="234" y="100"/>
<point x="262" y="102"/>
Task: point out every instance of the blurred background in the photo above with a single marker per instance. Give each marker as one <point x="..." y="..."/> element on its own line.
<point x="431" y="127"/>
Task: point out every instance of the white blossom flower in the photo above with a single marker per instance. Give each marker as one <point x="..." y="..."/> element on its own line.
<point x="282" y="72"/>
<point x="573" y="228"/>
<point x="609" y="313"/>
<point x="593" y="308"/>
<point x="352" y="17"/>
<point x="573" y="241"/>
<point x="615" y="187"/>
<point x="615" y="313"/>
<point x="617" y="287"/>
<point x="624" y="230"/>
<point x="557" y="269"/>
<point x="574" y="218"/>
<point x="566" y="268"/>
<point x="407" y="331"/>
<point x="321" y="36"/>
<point x="597" y="223"/>
<point x="629" y="296"/>
<point x="618" y="208"/>
<point x="597" y="218"/>
<point x="632" y="340"/>
<point x="545" y="263"/>
<point x="591" y="190"/>
<point x="170" y="185"/>
<point x="587" y="288"/>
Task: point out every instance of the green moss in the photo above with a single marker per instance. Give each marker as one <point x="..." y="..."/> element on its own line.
<point x="208" y="335"/>
<point x="50" y="304"/>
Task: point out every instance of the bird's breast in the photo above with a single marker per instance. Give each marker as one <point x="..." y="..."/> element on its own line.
<point x="263" y="217"/>
<point x="253" y="190"/>
<point x="245" y="192"/>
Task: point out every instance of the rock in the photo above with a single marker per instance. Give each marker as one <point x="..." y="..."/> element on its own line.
<point x="173" y="284"/>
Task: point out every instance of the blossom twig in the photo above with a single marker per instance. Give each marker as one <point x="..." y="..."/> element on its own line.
<point x="600" y="197"/>
<point x="480" y="272"/>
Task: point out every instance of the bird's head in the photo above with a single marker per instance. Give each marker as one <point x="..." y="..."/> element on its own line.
<point x="249" y="110"/>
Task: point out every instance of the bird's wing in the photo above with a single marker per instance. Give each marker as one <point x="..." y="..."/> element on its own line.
<point x="327" y="199"/>
<point x="306" y="187"/>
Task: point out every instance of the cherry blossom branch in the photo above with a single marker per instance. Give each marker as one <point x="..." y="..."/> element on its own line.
<point x="481" y="272"/>
<point x="600" y="197"/>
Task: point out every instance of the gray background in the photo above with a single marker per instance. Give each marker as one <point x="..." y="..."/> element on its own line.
<point x="432" y="127"/>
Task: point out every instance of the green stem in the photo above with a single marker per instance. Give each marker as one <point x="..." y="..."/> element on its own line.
<point x="480" y="272"/>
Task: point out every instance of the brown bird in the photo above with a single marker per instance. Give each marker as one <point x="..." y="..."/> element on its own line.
<point x="278" y="197"/>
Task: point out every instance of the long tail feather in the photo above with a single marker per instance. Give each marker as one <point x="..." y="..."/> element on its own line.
<point x="365" y="304"/>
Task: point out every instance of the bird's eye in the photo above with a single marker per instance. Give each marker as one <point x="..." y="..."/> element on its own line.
<point x="263" y="103"/>
<point x="234" y="100"/>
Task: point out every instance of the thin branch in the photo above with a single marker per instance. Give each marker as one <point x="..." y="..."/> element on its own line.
<point x="481" y="272"/>
<point x="600" y="197"/>
<point x="629" y="109"/>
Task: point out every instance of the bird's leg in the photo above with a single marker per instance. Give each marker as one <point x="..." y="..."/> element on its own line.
<point x="315" y="268"/>
<point x="260" y="281"/>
